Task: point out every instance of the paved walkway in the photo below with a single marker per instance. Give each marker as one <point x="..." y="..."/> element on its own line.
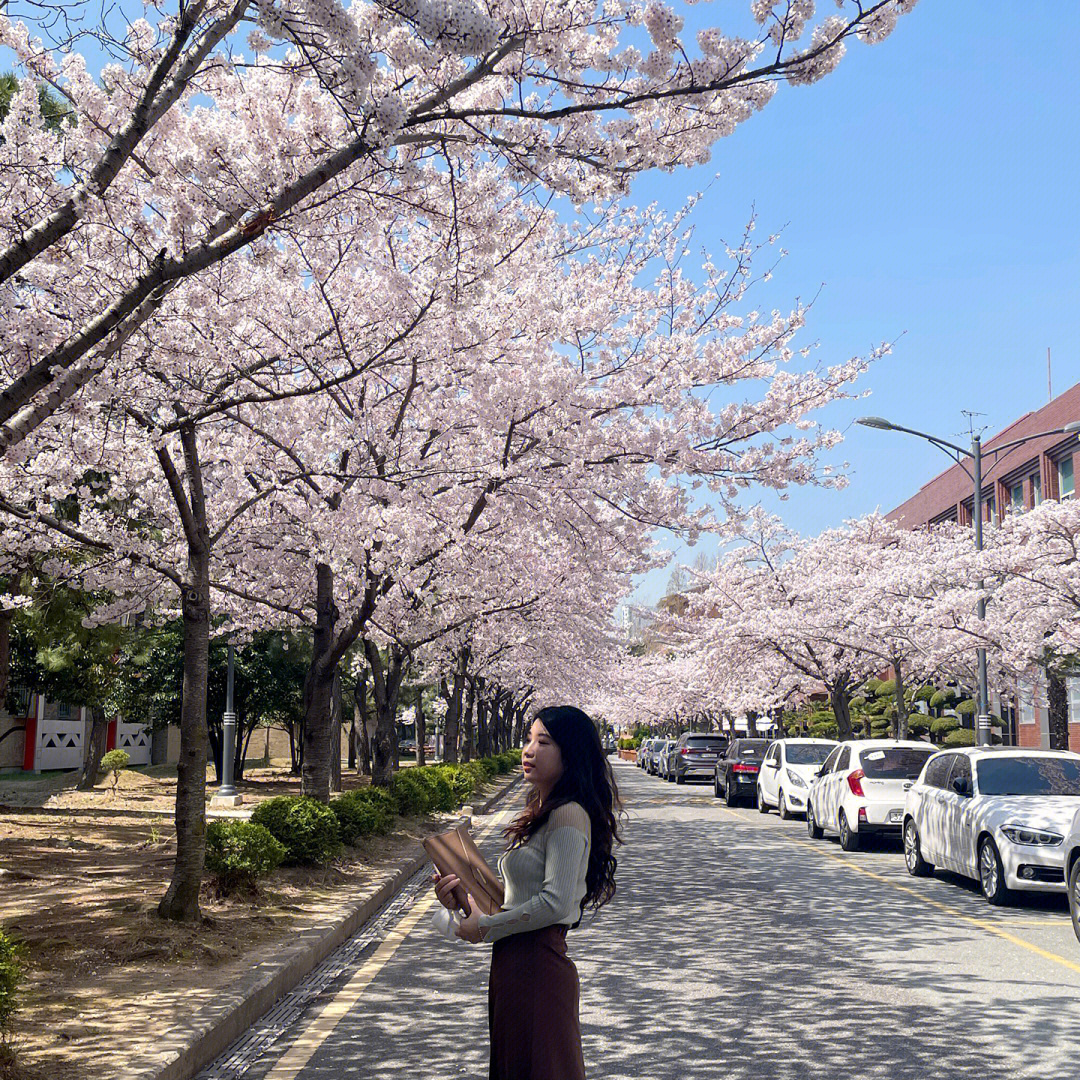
<point x="736" y="948"/>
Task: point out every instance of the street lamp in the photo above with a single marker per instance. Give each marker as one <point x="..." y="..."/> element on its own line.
<point x="975" y="453"/>
<point x="227" y="795"/>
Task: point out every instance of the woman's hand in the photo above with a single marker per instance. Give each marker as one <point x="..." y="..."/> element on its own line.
<point x="469" y="927"/>
<point x="444" y="891"/>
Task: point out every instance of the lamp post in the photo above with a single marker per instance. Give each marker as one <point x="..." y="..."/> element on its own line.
<point x="975" y="454"/>
<point x="227" y="795"/>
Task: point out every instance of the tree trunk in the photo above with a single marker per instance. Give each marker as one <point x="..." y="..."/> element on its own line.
<point x="1057" y="696"/>
<point x="353" y="736"/>
<point x="360" y="713"/>
<point x="335" y="734"/>
<point x="181" y="902"/>
<point x="95" y="750"/>
<point x="6" y="615"/>
<point x="386" y="683"/>
<point x="421" y="730"/>
<point x="468" y="745"/>
<point x="751" y="724"/>
<point x="840" y="698"/>
<point x="483" y="734"/>
<point x="453" y="709"/>
<point x="318" y="692"/>
<point x="901" y="705"/>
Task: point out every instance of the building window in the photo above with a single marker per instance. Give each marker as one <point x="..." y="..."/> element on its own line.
<point x="64" y="711"/>
<point x="1016" y="496"/>
<point x="988" y="513"/>
<point x="1073" y="686"/>
<point x="1066" y="487"/>
<point x="1025" y="704"/>
<point x="1036" y="490"/>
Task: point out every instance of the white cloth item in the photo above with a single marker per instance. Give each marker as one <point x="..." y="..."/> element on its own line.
<point x="446" y="922"/>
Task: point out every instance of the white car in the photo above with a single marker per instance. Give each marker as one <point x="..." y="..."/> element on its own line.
<point x="787" y="772"/>
<point x="1072" y="871"/>
<point x="860" y="788"/>
<point x="997" y="815"/>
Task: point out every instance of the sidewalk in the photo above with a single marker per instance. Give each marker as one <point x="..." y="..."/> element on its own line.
<point x="114" y="991"/>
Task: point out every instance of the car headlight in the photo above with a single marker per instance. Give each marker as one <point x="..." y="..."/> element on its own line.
<point x="1021" y="834"/>
<point x="795" y="778"/>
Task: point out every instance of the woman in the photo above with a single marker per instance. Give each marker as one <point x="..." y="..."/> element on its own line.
<point x="559" y="862"/>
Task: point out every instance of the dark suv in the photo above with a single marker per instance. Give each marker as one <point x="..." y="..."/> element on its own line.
<point x="696" y="755"/>
<point x="737" y="771"/>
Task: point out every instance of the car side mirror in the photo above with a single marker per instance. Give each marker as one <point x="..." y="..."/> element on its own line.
<point x="962" y="786"/>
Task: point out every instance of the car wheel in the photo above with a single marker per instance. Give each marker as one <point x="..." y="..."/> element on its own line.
<point x="680" y="778"/>
<point x="815" y="831"/>
<point x="849" y="840"/>
<point x="781" y="807"/>
<point x="991" y="874"/>
<point x="716" y="786"/>
<point x="729" y="798"/>
<point x="762" y="805"/>
<point x="917" y="866"/>
<point x="1074" y="896"/>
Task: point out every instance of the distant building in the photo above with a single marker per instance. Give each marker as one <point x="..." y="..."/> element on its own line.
<point x="1016" y="480"/>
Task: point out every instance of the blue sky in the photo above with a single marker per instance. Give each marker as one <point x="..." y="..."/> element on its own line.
<point x="930" y="186"/>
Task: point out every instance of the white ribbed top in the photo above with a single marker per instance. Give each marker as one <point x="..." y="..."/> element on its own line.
<point x="544" y="877"/>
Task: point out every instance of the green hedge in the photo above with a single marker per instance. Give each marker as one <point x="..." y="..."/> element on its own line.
<point x="363" y="812"/>
<point x="966" y="708"/>
<point x="11" y="973"/>
<point x="240" y="852"/>
<point x="960" y="737"/>
<point x="307" y="828"/>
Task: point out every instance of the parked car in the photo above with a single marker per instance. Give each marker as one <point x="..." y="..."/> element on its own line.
<point x="653" y="767"/>
<point x="663" y="759"/>
<point x="998" y="815"/>
<point x="860" y="789"/>
<point x="1072" y="871"/>
<point x="787" y="772"/>
<point x="736" y="773"/>
<point x="696" y="755"/>
<point x="643" y="753"/>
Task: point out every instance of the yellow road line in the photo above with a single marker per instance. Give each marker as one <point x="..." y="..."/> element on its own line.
<point x="323" y="1023"/>
<point x="982" y="924"/>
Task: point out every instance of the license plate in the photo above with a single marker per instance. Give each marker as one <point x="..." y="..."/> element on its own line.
<point x="896" y="816"/>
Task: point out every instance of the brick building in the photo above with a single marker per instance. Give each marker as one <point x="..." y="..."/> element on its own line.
<point x="1015" y="480"/>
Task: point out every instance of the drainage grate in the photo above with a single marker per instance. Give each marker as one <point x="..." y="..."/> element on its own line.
<point x="249" y="1049"/>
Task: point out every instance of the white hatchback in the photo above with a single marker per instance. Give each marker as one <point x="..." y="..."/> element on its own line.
<point x="999" y="816"/>
<point x="787" y="772"/>
<point x="860" y="788"/>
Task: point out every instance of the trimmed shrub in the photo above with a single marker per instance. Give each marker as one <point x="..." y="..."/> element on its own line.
<point x="886" y="689"/>
<point x="115" y="762"/>
<point x="925" y="693"/>
<point x="440" y="790"/>
<point x="11" y="974"/>
<point x="871" y="686"/>
<point x="960" y="737"/>
<point x="919" y="723"/>
<point x="240" y="852"/>
<point x="363" y="812"/>
<point x="308" y="829"/>
<point x="940" y="698"/>
<point x="464" y="780"/>
<point x="966" y="708"/>
<point x="944" y="724"/>
<point x="410" y="793"/>
<point x="878" y="728"/>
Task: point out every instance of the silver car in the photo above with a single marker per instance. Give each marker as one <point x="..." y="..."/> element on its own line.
<point x="663" y="759"/>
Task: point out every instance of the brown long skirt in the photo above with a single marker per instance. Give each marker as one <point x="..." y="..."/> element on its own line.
<point x="533" y="1008"/>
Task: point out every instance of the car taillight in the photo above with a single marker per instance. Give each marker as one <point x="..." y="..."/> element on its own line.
<point x="684" y="751"/>
<point x="854" y="781"/>
<point x="743" y="768"/>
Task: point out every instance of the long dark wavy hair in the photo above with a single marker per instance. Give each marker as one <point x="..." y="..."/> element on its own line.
<point x="586" y="779"/>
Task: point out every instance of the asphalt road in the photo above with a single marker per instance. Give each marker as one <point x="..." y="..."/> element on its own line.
<point x="735" y="948"/>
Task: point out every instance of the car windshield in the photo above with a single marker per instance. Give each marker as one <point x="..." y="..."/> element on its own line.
<point x="706" y="744"/>
<point x="1028" y="776"/>
<point x="807" y="753"/>
<point x="752" y="748"/>
<point x="894" y="762"/>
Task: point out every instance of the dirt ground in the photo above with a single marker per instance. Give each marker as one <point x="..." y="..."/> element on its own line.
<point x="79" y="889"/>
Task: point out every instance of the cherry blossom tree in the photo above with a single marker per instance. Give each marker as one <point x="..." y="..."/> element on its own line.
<point x="186" y="150"/>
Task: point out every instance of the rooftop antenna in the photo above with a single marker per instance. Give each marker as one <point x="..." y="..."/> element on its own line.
<point x="971" y="421"/>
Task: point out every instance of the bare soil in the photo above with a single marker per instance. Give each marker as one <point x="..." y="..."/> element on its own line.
<point x="105" y="974"/>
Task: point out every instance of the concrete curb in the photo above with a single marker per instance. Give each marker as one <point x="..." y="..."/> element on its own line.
<point x="192" y="1045"/>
